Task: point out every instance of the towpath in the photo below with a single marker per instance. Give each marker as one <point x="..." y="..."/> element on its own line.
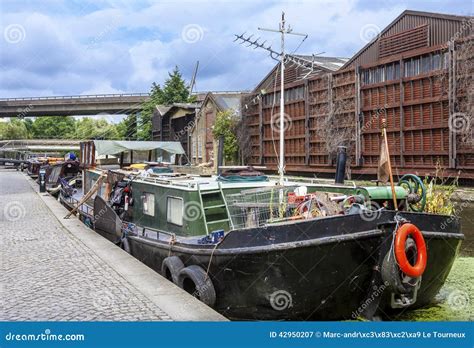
<point x="56" y="269"/>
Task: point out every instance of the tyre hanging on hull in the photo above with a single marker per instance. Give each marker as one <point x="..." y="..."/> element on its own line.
<point x="196" y="281"/>
<point x="171" y="267"/>
<point x="404" y="265"/>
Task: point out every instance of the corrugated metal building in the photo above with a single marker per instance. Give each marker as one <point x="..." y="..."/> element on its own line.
<point x="417" y="74"/>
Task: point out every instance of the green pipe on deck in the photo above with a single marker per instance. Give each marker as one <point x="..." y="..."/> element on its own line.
<point x="382" y="192"/>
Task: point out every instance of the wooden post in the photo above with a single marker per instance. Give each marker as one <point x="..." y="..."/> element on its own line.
<point x="121" y="159"/>
<point x="88" y="195"/>
<point x="384" y="134"/>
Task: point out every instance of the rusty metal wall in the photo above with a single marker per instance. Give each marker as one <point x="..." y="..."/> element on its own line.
<point x="412" y="95"/>
<point x="441" y="29"/>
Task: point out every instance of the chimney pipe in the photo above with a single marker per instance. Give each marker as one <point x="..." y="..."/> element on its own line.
<point x="341" y="164"/>
<point x="220" y="154"/>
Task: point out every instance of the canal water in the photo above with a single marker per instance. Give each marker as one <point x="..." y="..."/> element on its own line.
<point x="455" y="301"/>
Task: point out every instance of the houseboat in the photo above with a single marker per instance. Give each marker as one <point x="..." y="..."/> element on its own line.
<point x="256" y="248"/>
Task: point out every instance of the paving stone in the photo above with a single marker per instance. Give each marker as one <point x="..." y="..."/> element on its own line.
<point x="47" y="274"/>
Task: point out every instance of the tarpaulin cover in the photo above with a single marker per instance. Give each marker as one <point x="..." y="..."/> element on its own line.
<point x="112" y="147"/>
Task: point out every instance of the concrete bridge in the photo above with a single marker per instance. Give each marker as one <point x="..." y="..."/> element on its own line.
<point x="73" y="105"/>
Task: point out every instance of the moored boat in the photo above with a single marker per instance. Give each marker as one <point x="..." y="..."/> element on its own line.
<point x="307" y="250"/>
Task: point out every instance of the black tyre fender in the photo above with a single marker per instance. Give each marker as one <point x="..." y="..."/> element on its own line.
<point x="195" y="281"/>
<point x="125" y="245"/>
<point x="396" y="280"/>
<point x="171" y="267"/>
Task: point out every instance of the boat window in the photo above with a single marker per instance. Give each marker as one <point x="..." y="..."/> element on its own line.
<point x="174" y="211"/>
<point x="148" y="200"/>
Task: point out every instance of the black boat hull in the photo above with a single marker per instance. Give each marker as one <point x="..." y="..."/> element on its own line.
<point x="323" y="269"/>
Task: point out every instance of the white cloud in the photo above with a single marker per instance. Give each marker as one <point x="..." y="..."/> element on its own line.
<point x="107" y="45"/>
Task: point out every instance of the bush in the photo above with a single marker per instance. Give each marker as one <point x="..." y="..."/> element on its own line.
<point x="225" y="125"/>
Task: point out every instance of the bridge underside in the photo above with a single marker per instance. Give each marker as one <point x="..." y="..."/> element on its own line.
<point x="71" y="106"/>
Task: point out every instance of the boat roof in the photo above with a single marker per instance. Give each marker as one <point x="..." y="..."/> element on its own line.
<point x="190" y="182"/>
<point x="113" y="147"/>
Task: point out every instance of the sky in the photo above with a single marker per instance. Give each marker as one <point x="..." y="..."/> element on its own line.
<point x="71" y="47"/>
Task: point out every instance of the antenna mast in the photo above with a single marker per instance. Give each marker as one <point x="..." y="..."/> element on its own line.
<point x="193" y="79"/>
<point x="282" y="30"/>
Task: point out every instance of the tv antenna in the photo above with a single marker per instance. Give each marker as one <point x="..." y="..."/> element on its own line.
<point x="283" y="30"/>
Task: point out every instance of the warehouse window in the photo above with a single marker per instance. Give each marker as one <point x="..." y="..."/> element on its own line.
<point x="193" y="147"/>
<point x="291" y="94"/>
<point x="425" y="64"/>
<point x="199" y="146"/>
<point x="381" y="73"/>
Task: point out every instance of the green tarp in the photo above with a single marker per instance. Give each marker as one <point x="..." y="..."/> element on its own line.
<point x="113" y="147"/>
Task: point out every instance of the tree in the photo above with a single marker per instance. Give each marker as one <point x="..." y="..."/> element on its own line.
<point x="173" y="91"/>
<point x="29" y="125"/>
<point x="226" y="126"/>
<point x="144" y="120"/>
<point x="13" y="129"/>
<point x="89" y="128"/>
<point x="127" y="128"/>
<point x="53" y="127"/>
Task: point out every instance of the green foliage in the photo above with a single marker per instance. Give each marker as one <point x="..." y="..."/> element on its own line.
<point x="439" y="190"/>
<point x="225" y="125"/>
<point x="53" y="127"/>
<point x="127" y="128"/>
<point x="14" y="129"/>
<point x="90" y="128"/>
<point x="66" y="127"/>
<point x="173" y="91"/>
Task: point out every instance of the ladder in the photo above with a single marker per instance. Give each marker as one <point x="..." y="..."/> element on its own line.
<point x="214" y="210"/>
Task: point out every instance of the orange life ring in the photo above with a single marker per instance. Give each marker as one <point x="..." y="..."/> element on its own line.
<point x="400" y="238"/>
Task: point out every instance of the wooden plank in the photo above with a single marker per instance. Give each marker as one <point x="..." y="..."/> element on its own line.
<point x="88" y="195"/>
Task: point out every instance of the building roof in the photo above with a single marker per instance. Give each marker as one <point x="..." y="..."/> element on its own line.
<point x="226" y="101"/>
<point x="320" y="63"/>
<point x="406" y="13"/>
<point x="164" y="110"/>
<point x="231" y="101"/>
<point x="327" y="63"/>
<point x="113" y="147"/>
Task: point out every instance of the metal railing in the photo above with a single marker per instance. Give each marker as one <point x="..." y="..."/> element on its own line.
<point x="82" y="96"/>
<point x="111" y="95"/>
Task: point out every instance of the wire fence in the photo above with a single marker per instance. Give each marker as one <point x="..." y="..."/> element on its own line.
<point x="264" y="206"/>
